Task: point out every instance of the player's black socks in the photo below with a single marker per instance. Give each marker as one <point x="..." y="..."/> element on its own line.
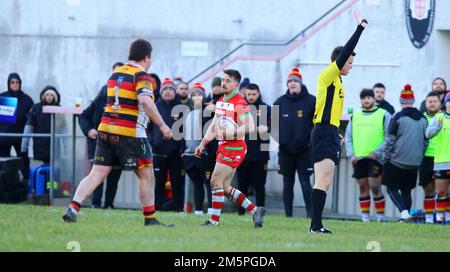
<point x="318" y="203"/>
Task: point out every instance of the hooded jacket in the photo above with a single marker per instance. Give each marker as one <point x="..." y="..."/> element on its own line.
<point x="39" y="122"/>
<point x="254" y="152"/>
<point x="90" y="119"/>
<point x="387" y="106"/>
<point x="406" y="143"/>
<point x="296" y="121"/>
<point x="24" y="105"/>
<point x="155" y="137"/>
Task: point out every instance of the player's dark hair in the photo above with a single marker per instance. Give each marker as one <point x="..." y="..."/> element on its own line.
<point x="234" y="74"/>
<point x="379" y="85"/>
<point x="117" y="64"/>
<point x="253" y="87"/>
<point x="140" y="49"/>
<point x="337" y="51"/>
<point x="366" y="92"/>
<point x="434" y="93"/>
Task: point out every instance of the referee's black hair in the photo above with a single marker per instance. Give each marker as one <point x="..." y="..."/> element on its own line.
<point x="336" y="52"/>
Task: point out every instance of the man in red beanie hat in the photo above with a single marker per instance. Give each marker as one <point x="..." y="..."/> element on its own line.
<point x="296" y="109"/>
<point x="167" y="154"/>
<point x="404" y="148"/>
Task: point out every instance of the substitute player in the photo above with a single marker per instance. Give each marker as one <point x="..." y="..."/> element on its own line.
<point x="122" y="139"/>
<point x="364" y="138"/>
<point x="439" y="128"/>
<point x="426" y="172"/>
<point x="231" y="151"/>
<point x="324" y="136"/>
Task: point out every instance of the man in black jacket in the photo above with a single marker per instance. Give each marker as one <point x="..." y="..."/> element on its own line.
<point x="253" y="171"/>
<point x="296" y="109"/>
<point x="89" y="121"/>
<point x="167" y="154"/>
<point x="379" y="90"/>
<point x="24" y="104"/>
<point x="440" y="86"/>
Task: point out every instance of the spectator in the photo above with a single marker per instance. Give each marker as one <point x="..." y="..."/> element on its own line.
<point x="216" y="93"/>
<point x="426" y="172"/>
<point x="198" y="169"/>
<point x="167" y="154"/>
<point x="439" y="85"/>
<point x="243" y="86"/>
<point x="89" y="121"/>
<point x="39" y="122"/>
<point x="24" y="104"/>
<point x="364" y="137"/>
<point x="182" y="91"/>
<point x="380" y="92"/>
<point x="403" y="152"/>
<point x="296" y="108"/>
<point x="253" y="171"/>
<point x="439" y="130"/>
<point x="157" y="81"/>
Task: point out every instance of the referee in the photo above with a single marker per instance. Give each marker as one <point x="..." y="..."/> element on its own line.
<point x="324" y="136"/>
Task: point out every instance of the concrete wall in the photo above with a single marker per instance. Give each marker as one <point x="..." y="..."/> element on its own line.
<point x="72" y="44"/>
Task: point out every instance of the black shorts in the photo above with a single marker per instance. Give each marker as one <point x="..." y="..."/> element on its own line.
<point x="398" y="178"/>
<point x="426" y="173"/>
<point x="442" y="174"/>
<point x="325" y="143"/>
<point x="289" y="163"/>
<point x="367" y="168"/>
<point x="127" y="152"/>
<point x="203" y="164"/>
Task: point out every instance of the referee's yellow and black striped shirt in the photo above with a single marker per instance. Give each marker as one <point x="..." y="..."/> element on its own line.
<point x="330" y="97"/>
<point x="123" y="114"/>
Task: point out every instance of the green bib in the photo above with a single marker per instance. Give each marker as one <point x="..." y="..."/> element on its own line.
<point x="431" y="149"/>
<point x="367" y="131"/>
<point x="442" y="153"/>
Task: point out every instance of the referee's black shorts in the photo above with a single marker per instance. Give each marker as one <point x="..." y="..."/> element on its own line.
<point x="325" y="143"/>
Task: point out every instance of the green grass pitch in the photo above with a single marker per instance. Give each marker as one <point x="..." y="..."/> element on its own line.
<point x="39" y="228"/>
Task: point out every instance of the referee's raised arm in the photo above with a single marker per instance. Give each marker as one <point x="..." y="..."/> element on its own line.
<point x="347" y="51"/>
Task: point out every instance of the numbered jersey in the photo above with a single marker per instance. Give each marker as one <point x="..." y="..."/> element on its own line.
<point x="233" y="106"/>
<point x="124" y="115"/>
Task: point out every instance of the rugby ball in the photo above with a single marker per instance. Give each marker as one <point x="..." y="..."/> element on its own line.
<point x="227" y="124"/>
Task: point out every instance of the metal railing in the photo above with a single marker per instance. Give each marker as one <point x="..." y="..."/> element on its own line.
<point x="53" y="136"/>
<point x="301" y="33"/>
